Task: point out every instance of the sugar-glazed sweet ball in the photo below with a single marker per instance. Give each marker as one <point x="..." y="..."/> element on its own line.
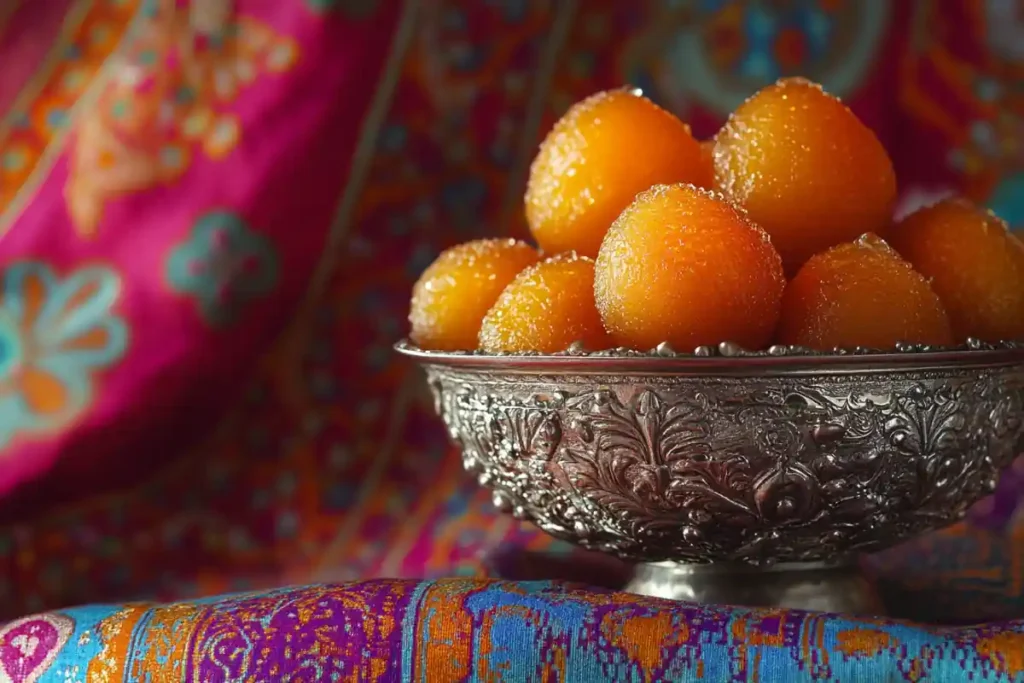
<point x="595" y="160"/>
<point x="452" y="296"/>
<point x="683" y="266"/>
<point x="975" y="265"/>
<point x="805" y="168"/>
<point x="547" y="308"/>
<point x="861" y="293"/>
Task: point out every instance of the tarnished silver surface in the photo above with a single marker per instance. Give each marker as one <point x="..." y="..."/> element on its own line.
<point x="724" y="456"/>
<point x="814" y="587"/>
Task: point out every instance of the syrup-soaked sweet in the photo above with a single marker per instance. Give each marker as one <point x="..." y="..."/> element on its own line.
<point x="546" y="308"/>
<point x="975" y="265"/>
<point x="683" y="266"/>
<point x="452" y="296"/>
<point x="861" y="293"/>
<point x="595" y="160"/>
<point x="805" y="169"/>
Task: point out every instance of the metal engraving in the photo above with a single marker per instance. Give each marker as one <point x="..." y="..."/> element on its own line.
<point x="776" y="459"/>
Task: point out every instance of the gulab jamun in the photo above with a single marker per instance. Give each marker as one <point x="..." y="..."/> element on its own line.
<point x="975" y="265"/>
<point x="683" y="266"/>
<point x="805" y="168"/>
<point x="861" y="294"/>
<point x="596" y="159"/>
<point x="452" y="296"/>
<point x="546" y="308"/>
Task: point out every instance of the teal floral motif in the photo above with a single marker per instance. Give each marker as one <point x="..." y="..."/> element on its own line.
<point x="225" y="265"/>
<point x="56" y="335"/>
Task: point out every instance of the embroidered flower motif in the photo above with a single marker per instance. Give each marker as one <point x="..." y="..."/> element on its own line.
<point x="55" y="335"/>
<point x="168" y="102"/>
<point x="225" y="265"/>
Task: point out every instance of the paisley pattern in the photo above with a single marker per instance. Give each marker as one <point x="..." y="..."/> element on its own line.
<point x="30" y="646"/>
<point x="167" y="117"/>
<point x="478" y="630"/>
<point x="56" y="335"/>
<point x="169" y="102"/>
<point x="41" y="113"/>
<point x="359" y="139"/>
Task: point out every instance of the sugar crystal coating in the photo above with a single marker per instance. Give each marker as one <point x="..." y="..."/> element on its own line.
<point x="595" y="160"/>
<point x="452" y="296"/>
<point x="861" y="294"/>
<point x="805" y="168"/>
<point x="681" y="265"/>
<point x="975" y="266"/>
<point x="545" y="309"/>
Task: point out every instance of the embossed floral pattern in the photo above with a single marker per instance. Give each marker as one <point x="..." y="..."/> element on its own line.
<point x="55" y="336"/>
<point x="794" y="469"/>
<point x="788" y="492"/>
<point x="225" y="265"/>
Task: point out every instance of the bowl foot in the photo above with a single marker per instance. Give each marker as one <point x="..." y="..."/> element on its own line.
<point x="815" y="587"/>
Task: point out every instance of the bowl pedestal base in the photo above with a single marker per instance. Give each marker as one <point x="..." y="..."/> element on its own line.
<point x="811" y="586"/>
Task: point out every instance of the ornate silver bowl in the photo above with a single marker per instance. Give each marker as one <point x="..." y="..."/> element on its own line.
<point x="770" y="469"/>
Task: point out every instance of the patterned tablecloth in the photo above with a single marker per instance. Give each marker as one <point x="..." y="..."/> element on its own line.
<point x="489" y="630"/>
<point x="211" y="214"/>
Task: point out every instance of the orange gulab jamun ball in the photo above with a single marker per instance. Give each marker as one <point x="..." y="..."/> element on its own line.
<point x="452" y="296"/>
<point x="595" y="160"/>
<point x="861" y="294"/>
<point x="975" y="266"/>
<point x="683" y="266"/>
<point x="805" y="169"/>
<point x="546" y="308"/>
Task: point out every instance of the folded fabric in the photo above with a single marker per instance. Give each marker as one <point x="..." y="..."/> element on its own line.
<point x="142" y="255"/>
<point x="417" y="121"/>
<point x="479" y="630"/>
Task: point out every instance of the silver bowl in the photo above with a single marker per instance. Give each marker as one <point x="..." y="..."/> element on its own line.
<point x="781" y="464"/>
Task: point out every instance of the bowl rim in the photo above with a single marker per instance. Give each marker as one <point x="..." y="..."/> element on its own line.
<point x="726" y="359"/>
